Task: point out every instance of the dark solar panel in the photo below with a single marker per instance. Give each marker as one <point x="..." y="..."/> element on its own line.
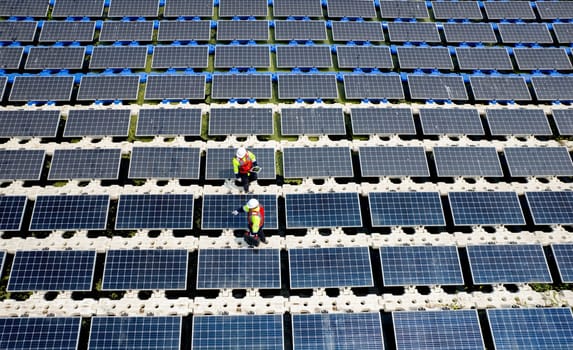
<point x="444" y="10"/>
<point x="243" y="8"/>
<point x="104" y="57"/>
<point x="76" y="8"/>
<point x="469" y="33"/>
<point x="180" y="57"/>
<point x="106" y="87"/>
<point x="551" y="207"/>
<point x="97" y="122"/>
<point x="225" y="269"/>
<point x="563" y="254"/>
<point x="451" y="121"/>
<point x="485" y="208"/>
<point x="186" y="8"/>
<point x="147" y="269"/>
<point x="563" y="32"/>
<point x="55" y="58"/>
<point x="217" y="208"/>
<point x="300" y="30"/>
<point x="416" y="32"/>
<point x="11" y="213"/>
<point x="563" y="120"/>
<point x="242" y="56"/>
<point x="53" y="31"/>
<point x="184" y="31"/>
<point x="21" y="164"/>
<point x="175" y="87"/>
<point x="553" y="88"/>
<point x="154" y="211"/>
<point x="24" y="8"/>
<point x="405" y="209"/>
<point x="508" y="10"/>
<point x="357" y="31"/>
<point x="312" y="121"/>
<point x="376" y="161"/>
<point x="23" y="31"/>
<point x="243" y="30"/>
<point x="364" y="57"/>
<point x="354" y="9"/>
<point x="363" y="86"/>
<point x="10" y="57"/>
<point x="164" y="163"/>
<point x="488" y="58"/>
<point x="425" y="58"/>
<point x="126" y="31"/>
<point x="3" y="82"/>
<point x="26" y="123"/>
<point x="517" y="122"/>
<point x="52" y="270"/>
<point x="500" y="88"/>
<point x="303" y="57"/>
<point x="169" y="122"/>
<point x="67" y="212"/>
<point x="467" y="161"/>
<point x="126" y="8"/>
<point x="307" y="86"/>
<point x="549" y="10"/>
<point x="85" y="164"/>
<point x="538" y="161"/>
<point x="297" y="8"/>
<point x="515" y="33"/>
<point x="429" y="87"/>
<point x="27" y="333"/>
<point x="385" y="121"/>
<point x="307" y="210"/>
<point x="403" y="9"/>
<point x="218" y="163"/>
<point x="317" y="162"/>
<point x="241" y="121"/>
<point x="545" y="58"/>
<point x="41" y="88"/>
<point x="241" y="86"/>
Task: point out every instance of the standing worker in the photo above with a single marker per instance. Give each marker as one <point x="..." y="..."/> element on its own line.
<point x="256" y="220"/>
<point x="244" y="164"/>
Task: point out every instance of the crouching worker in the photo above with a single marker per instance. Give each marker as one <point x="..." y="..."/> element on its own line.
<point x="256" y="221"/>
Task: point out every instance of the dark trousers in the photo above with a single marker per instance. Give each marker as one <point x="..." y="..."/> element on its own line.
<point x="246" y="179"/>
<point x="251" y="240"/>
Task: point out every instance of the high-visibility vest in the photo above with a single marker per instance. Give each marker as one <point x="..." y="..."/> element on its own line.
<point x="254" y="213"/>
<point x="245" y="164"/>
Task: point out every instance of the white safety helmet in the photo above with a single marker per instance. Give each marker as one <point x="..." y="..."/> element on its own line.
<point x="252" y="203"/>
<point x="241" y="152"/>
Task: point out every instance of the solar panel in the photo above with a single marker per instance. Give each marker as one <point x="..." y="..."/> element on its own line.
<point x="97" y="122"/>
<point x="2" y="259"/>
<point x="55" y="58"/>
<point x="185" y="8"/>
<point x="180" y="57"/>
<point x="563" y="32"/>
<point x="363" y="86"/>
<point x="488" y="58"/>
<point x="10" y="57"/>
<point x="416" y="32"/>
<point x="297" y="8"/>
<point x="507" y="10"/>
<point x="41" y="88"/>
<point x="225" y="332"/>
<point x="306" y="210"/>
<point x="330" y="267"/>
<point x="67" y="212"/>
<point x="539" y="328"/>
<point x="438" y="330"/>
<point x="24" y="8"/>
<point x="241" y="86"/>
<point x="376" y="161"/>
<point x="218" y="163"/>
<point x="425" y="58"/>
<point x="168" y="122"/>
<point x="429" y="87"/>
<point x="469" y="33"/>
<point x="406" y="209"/>
<point x="154" y="211"/>
<point x="75" y="8"/>
<point x="485" y="208"/>
<point x="175" y="87"/>
<point x="300" y="30"/>
<point x="563" y="254"/>
<point x="52" y="270"/>
<point x="553" y="88"/>
<point x="444" y="10"/>
<point x="357" y="31"/>
<point x="500" y="88"/>
<point x="317" y="162"/>
<point x="108" y="87"/>
<point x="337" y="330"/>
<point x="385" y="121"/>
<point x="242" y="56"/>
<point x="403" y="9"/>
<point x="126" y="31"/>
<point x="104" y="57"/>
<point x="22" y="31"/>
<point x="217" y="208"/>
<point x="517" y="122"/>
<point x="364" y="57"/>
<point x="164" y="163"/>
<point x="549" y="10"/>
<point x="184" y="30"/>
<point x="355" y="9"/>
<point x="53" y="31"/>
<point x="21" y="164"/>
<point x="241" y="121"/>
<point x="307" y="86"/>
<point x="494" y="264"/>
<point x="514" y="33"/>
<point x="546" y="58"/>
<point x="145" y="269"/>
<point x="563" y="120"/>
<point x="303" y="57"/>
<point x="451" y="121"/>
<point x="27" y="123"/>
<point x="312" y="121"/>
<point x="125" y="8"/>
<point x="3" y="82"/>
<point x="135" y="332"/>
<point x="85" y="164"/>
<point x="243" y="8"/>
<point x="538" y="161"/>
<point x="551" y="207"/>
<point x="12" y="212"/>
<point x="467" y="161"/>
<point x="243" y="30"/>
<point x="40" y="332"/>
<point x="225" y="269"/>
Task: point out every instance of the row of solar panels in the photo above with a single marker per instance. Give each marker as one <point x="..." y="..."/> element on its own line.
<point x="285" y="30"/>
<point x="292" y="86"/>
<point x="547" y="10"/>
<point x="343" y="267"/>
<point x="303" y="210"/>
<point x="526" y="329"/>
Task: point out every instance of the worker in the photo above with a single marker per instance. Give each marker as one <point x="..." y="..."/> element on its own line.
<point x="256" y="221"/>
<point x="244" y="164"/>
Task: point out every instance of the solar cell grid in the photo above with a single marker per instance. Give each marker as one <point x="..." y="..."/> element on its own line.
<point x="367" y="121"/>
<point x="186" y="8"/>
<point x="242" y="56"/>
<point x="551" y="207"/>
<point x="563" y="32"/>
<point x="378" y="161"/>
<point x="243" y="8"/>
<point x="297" y="8"/>
<point x="467" y="161"/>
<point x="312" y="121"/>
<point x="241" y="86"/>
<point x="553" y="88"/>
<point x="317" y="162"/>
<point x="219" y="160"/>
<point x="517" y="122"/>
<point x="563" y="254"/>
<point x="485" y="208"/>
<point x="40" y="333"/>
<point x="97" y="122"/>
<point x="53" y="31"/>
<point x="11" y="213"/>
<point x="75" y="8"/>
<point x="444" y="10"/>
<point x="357" y="31"/>
<point x="469" y="33"/>
<point x="126" y="31"/>
<point x="488" y="58"/>
<point x="175" y="87"/>
<point x="41" y="88"/>
<point x="216" y="211"/>
<point x="122" y="87"/>
<point x="354" y="9"/>
<point x="364" y="57"/>
<point x="499" y="88"/>
<point x="425" y="58"/>
<point x="184" y="31"/>
<point x="243" y="30"/>
<point x="405" y="209"/>
<point x="564" y="120"/>
<point x="363" y="86"/>
<point x="70" y="212"/>
<point x="415" y="32"/>
<point x="125" y="8"/>
<point x="24" y="8"/>
<point x="10" y="57"/>
<point x="428" y="87"/>
<point x="300" y="30"/>
<point x="85" y="164"/>
<point x="307" y="86"/>
<point x="3" y="82"/>
<point x="538" y="161"/>
<point x="514" y="33"/>
<point x="55" y="58"/>
<point x="554" y="10"/>
<point x="104" y="57"/>
<point x="303" y="57"/>
<point x="508" y="10"/>
<point x="21" y="164"/>
<point x="546" y="58"/>
<point x="451" y="121"/>
<point x="164" y="163"/>
<point x="147" y="211"/>
<point x="26" y="123"/>
<point x="403" y="9"/>
<point x="241" y="121"/>
<point x="168" y="122"/>
<point x="22" y="31"/>
<point x="306" y="210"/>
<point x="180" y="57"/>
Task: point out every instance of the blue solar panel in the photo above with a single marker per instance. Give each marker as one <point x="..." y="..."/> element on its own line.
<point x="538" y="161"/>
<point x="248" y="332"/>
<point x="306" y="210"/>
<point x="216" y="212"/>
<point x="78" y="212"/>
<point x="149" y="333"/>
<point x="165" y="162"/>
<point x="317" y="162"/>
<point x="161" y="211"/>
<point x="238" y="268"/>
<point x="145" y="269"/>
<point x="406" y="209"/>
<point x="551" y="207"/>
<point x="21" y="164"/>
<point x="330" y="267"/>
<point x="421" y="266"/>
<point x="27" y="333"/>
<point x="563" y="254"/>
<point x="531" y="329"/>
<point x="11" y="212"/>
<point x="524" y="263"/>
<point x="486" y="208"/>
<point x="438" y="330"/>
<point x="51" y="270"/>
<point x="337" y="331"/>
